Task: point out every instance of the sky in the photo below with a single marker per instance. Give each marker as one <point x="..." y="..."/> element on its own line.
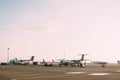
<point x="52" y="29"/>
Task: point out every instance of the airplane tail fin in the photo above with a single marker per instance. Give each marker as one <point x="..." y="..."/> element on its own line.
<point x="15" y="58"/>
<point x="82" y="58"/>
<point x="53" y="61"/>
<point x="32" y="58"/>
<point x="43" y="61"/>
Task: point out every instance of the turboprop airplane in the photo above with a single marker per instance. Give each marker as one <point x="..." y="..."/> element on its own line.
<point x="22" y="62"/>
<point x="80" y="62"/>
<point x="118" y="61"/>
<point x="48" y="63"/>
<point x="44" y="63"/>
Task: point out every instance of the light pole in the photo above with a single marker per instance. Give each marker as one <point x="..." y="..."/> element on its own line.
<point x="64" y="56"/>
<point x="8" y="54"/>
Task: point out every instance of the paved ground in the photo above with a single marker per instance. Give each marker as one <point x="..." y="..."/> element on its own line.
<point x="91" y="72"/>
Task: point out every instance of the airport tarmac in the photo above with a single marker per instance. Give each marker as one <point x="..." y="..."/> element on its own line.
<point x="35" y="72"/>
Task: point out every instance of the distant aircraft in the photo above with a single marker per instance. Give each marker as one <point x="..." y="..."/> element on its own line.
<point x="48" y="63"/>
<point x="44" y="63"/>
<point x="118" y="62"/>
<point x="80" y="62"/>
<point x="100" y="62"/>
<point x="22" y="62"/>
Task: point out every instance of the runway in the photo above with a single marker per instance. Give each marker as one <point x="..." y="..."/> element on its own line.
<point x="91" y="72"/>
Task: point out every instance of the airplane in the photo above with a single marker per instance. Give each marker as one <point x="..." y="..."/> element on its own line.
<point x="100" y="62"/>
<point x="44" y="63"/>
<point x="22" y="62"/>
<point x="48" y="63"/>
<point x="80" y="62"/>
<point x="118" y="62"/>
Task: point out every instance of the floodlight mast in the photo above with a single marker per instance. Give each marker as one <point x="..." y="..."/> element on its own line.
<point x="8" y="54"/>
<point x="64" y="56"/>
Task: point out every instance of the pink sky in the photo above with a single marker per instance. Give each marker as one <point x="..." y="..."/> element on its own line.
<point x="48" y="29"/>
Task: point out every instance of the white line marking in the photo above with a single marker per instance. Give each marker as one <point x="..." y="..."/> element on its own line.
<point x="76" y="72"/>
<point x="99" y="74"/>
<point x="69" y="74"/>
